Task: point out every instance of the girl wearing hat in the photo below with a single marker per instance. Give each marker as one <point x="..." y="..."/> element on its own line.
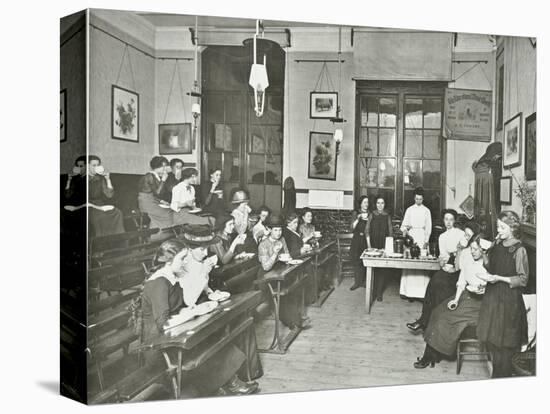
<point x="224" y="249"/>
<point x="164" y="295"/>
<point x="183" y="199"/>
<point x="442" y="283"/>
<point x="418" y="224"/>
<point x="151" y="187"/>
<point x="449" y="319"/>
<point x="241" y="210"/>
<point x="502" y="324"/>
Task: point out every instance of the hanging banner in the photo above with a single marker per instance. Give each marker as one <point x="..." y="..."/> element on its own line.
<point x="467" y="114"/>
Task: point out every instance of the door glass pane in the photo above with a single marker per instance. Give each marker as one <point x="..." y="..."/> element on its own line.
<point x="408" y="198"/>
<point x="432" y="113"/>
<point x="386" y="172"/>
<point x="432" y="144"/>
<point x="233" y="138"/>
<point x="273" y="198"/>
<point x="211" y="134"/>
<point x="231" y="167"/>
<point x="369" y="172"/>
<point x="432" y="200"/>
<point x="369" y="140"/>
<point x="256" y="168"/>
<point x="388" y="109"/>
<point x="273" y="169"/>
<point x="224" y="137"/>
<point x="386" y="142"/>
<point x="412" y="173"/>
<point x="256" y="192"/>
<point x="214" y="161"/>
<point x="413" y="143"/>
<point x="413" y="113"/>
<point x="233" y="107"/>
<point x="371" y="111"/>
<point x="273" y="110"/>
<point x="432" y="173"/>
<point x="274" y="141"/>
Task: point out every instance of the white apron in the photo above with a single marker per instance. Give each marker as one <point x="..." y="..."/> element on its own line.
<point x="414" y="282"/>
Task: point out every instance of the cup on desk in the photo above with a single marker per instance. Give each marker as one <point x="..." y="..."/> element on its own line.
<point x="423" y="253"/>
<point x="284" y="257"/>
<point x="317" y="234"/>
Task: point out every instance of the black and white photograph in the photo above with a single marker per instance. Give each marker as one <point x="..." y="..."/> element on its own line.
<point x="252" y="237"/>
<point x="175" y="139"/>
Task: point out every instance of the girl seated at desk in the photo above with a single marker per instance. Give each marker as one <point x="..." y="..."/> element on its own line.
<point x="449" y="319"/>
<point x="224" y="249"/>
<point x="151" y="188"/>
<point x="307" y="229"/>
<point x="268" y="255"/>
<point x="164" y="295"/>
<point x="184" y="201"/>
<point x="293" y="239"/>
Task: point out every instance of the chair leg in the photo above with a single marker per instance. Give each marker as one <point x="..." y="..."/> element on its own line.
<point x="458" y="358"/>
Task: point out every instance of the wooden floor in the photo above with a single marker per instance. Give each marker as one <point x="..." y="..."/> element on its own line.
<point x="347" y="348"/>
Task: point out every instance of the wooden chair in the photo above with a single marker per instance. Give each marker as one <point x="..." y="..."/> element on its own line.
<point x="469" y="345"/>
<point x="346" y="265"/>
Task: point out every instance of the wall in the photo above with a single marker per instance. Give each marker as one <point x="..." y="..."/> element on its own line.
<point x="73" y="79"/>
<point x="519" y="96"/>
<point x="105" y="62"/>
<point x="462" y="154"/>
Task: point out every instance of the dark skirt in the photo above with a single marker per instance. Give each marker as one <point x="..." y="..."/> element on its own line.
<point x="440" y="287"/>
<point x="502" y="317"/>
<point x="446" y="326"/>
<point x="105" y="223"/>
<point x="160" y="217"/>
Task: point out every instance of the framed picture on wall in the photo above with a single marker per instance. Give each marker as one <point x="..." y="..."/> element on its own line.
<point x="531" y="147"/>
<point x="323" y="105"/>
<point x="124" y="114"/>
<point x="175" y="139"/>
<point x="512" y="142"/>
<point x="63" y="115"/>
<point x="506" y="190"/>
<point x="322" y="156"/>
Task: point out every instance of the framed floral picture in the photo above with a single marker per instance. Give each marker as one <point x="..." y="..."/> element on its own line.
<point x="322" y="156"/>
<point x="511" y="156"/>
<point x="175" y="139"/>
<point x="125" y="114"/>
<point x="531" y="147"/>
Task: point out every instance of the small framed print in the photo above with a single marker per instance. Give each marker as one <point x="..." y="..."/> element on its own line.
<point x="175" y="139"/>
<point x="63" y="115"/>
<point x="124" y="114"/>
<point x="512" y="142"/>
<point x="531" y="147"/>
<point x="506" y="190"/>
<point x="323" y="105"/>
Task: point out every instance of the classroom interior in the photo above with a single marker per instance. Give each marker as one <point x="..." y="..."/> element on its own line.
<point x="387" y="137"/>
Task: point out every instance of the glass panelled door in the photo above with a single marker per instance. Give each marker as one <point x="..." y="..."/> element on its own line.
<point x="399" y="145"/>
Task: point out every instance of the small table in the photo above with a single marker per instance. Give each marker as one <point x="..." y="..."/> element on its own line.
<point x="232" y="318"/>
<point x="283" y="280"/>
<point x="387" y="262"/>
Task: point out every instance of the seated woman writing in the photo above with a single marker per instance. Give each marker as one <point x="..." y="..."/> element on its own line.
<point x="268" y="254"/>
<point x="449" y="319"/>
<point x="163" y="296"/>
<point x="224" y="249"/>
<point x="151" y="188"/>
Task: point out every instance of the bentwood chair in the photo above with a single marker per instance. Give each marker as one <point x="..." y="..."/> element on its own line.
<point x="346" y="266"/>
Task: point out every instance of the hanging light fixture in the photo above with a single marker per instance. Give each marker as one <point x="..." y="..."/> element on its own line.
<point x="258" y="75"/>
<point x="338" y="132"/>
<point x="196" y="93"/>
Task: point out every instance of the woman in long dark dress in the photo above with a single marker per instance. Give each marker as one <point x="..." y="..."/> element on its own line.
<point x="378" y="229"/>
<point x="162" y="297"/>
<point x="359" y="220"/>
<point x="212" y="193"/>
<point x="502" y="324"/>
<point x="151" y="188"/>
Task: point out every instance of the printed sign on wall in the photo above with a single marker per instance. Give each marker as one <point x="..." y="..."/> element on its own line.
<point x="467" y="114"/>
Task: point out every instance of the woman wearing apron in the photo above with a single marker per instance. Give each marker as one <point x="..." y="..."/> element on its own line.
<point x="502" y="323"/>
<point x="418" y="224"/>
<point x="359" y="220"/>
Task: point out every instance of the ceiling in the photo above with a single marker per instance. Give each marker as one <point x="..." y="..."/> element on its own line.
<point x="183" y="20"/>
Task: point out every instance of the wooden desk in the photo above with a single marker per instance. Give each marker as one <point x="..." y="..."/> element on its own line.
<point x="283" y="280"/>
<point x="386" y="262"/>
<point x="230" y="319"/>
<point x="321" y="256"/>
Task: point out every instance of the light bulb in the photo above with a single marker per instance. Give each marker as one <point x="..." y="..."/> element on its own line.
<point x="338" y="135"/>
<point x="196" y="109"/>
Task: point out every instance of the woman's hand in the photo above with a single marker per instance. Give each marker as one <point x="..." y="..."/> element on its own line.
<point x="487" y="277"/>
<point x="278" y="247"/>
<point x="238" y="240"/>
<point x="452" y="304"/>
<point x="214" y="186"/>
<point x="164" y="176"/>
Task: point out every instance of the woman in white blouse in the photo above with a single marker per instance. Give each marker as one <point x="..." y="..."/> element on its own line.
<point x="442" y="283"/>
<point x="418" y="224"/>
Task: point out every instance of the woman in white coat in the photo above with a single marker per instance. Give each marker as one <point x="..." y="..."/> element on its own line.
<point x="418" y="224"/>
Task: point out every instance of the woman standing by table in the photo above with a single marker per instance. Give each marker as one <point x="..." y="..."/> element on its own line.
<point x="418" y="224"/>
<point x="378" y="229"/>
<point x="359" y="221"/>
<point x="151" y="188"/>
<point x="502" y="324"/>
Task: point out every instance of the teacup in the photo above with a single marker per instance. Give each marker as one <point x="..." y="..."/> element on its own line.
<point x="317" y="234"/>
<point x="284" y="257"/>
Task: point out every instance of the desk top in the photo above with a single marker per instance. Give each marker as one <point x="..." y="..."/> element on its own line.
<point x="197" y="330"/>
<point x="235" y="266"/>
<point x="281" y="270"/>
